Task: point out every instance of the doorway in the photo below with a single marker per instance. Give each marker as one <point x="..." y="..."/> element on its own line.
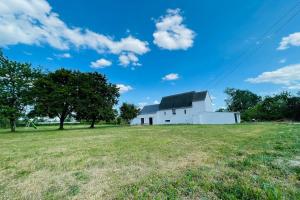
<point x="236" y="118"/>
<point x="142" y="121"/>
<point x="150" y="121"/>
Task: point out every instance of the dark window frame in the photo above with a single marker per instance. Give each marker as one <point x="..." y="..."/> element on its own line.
<point x="173" y="111"/>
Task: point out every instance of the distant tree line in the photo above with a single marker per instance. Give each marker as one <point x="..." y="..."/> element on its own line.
<point x="62" y="93"/>
<point x="253" y="107"/>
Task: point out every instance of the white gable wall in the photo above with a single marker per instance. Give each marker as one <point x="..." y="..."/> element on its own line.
<point x="208" y="104"/>
<point x="202" y="106"/>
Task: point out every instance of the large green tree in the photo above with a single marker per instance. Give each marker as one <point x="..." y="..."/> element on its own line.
<point x="16" y="80"/>
<point x="55" y="94"/>
<point x="128" y="111"/>
<point x="95" y="98"/>
<point x="282" y="106"/>
<point x="293" y="108"/>
<point x="240" y="100"/>
<point x="276" y="107"/>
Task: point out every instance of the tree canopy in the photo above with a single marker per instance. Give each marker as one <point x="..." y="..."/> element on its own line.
<point x="16" y="81"/>
<point x="282" y="106"/>
<point x="55" y="94"/>
<point x="95" y="98"/>
<point x="128" y="112"/>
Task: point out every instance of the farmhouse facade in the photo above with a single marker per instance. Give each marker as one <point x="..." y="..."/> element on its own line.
<point x="185" y="108"/>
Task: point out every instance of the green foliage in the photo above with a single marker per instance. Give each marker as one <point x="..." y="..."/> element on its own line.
<point x="128" y="112"/>
<point x="240" y="100"/>
<point x="254" y="113"/>
<point x="221" y="110"/>
<point x="279" y="107"/>
<point x="4" y="123"/>
<point x="87" y="96"/>
<point x="252" y="107"/>
<point x="55" y="94"/>
<point x="16" y="80"/>
<point x="95" y="98"/>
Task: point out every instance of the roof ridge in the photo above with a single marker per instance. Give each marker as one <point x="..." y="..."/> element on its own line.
<point x="151" y="105"/>
<point x="180" y="94"/>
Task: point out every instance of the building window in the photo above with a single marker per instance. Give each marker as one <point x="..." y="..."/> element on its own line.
<point x="165" y="113"/>
<point x="174" y="111"/>
<point x="185" y="112"/>
<point x="167" y="120"/>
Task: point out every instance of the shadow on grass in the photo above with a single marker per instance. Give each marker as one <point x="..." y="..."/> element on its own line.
<point x="42" y="129"/>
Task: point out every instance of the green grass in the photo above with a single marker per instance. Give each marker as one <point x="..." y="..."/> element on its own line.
<point x="248" y="161"/>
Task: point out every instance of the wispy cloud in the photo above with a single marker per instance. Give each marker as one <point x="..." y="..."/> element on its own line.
<point x="288" y="41"/>
<point x="27" y="53"/>
<point x="128" y="58"/>
<point x="124" y="88"/>
<point x="288" y="76"/>
<point x="282" y="61"/>
<point x="63" y="55"/>
<point x="171" y="33"/>
<point x="170" y="77"/>
<point x="101" y="63"/>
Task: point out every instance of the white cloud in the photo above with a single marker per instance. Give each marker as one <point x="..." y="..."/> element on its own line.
<point x="282" y="61"/>
<point x="27" y="53"/>
<point x="101" y="63"/>
<point x="64" y="55"/>
<point x="288" y="76"/>
<point x="171" y="34"/>
<point x="124" y="88"/>
<point x="156" y="102"/>
<point x="49" y="58"/>
<point x="291" y="40"/>
<point x="170" y="77"/>
<point x="126" y="59"/>
<point x="33" y="22"/>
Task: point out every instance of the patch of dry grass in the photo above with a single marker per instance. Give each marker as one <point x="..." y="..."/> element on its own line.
<point x="103" y="163"/>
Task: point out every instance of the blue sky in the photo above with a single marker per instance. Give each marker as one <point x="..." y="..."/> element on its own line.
<point x="157" y="48"/>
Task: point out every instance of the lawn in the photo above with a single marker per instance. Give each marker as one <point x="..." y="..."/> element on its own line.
<point x="247" y="161"/>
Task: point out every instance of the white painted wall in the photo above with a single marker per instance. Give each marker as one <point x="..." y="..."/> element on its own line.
<point x="202" y="106"/>
<point x="137" y="120"/>
<point x="201" y="112"/>
<point x="179" y="118"/>
<point x="208" y="104"/>
<point x="216" y="118"/>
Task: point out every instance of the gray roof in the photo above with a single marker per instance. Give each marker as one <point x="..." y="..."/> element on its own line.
<point x="181" y="100"/>
<point x="149" y="109"/>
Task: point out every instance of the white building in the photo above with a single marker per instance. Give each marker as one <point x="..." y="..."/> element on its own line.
<point x="186" y="108"/>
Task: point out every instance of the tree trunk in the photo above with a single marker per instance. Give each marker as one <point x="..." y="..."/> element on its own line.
<point x="93" y="123"/>
<point x="13" y="125"/>
<point x="61" y="123"/>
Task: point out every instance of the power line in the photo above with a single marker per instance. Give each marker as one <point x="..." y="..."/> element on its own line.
<point x="246" y="54"/>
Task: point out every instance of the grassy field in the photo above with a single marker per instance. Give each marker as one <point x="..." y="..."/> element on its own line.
<point x="249" y="161"/>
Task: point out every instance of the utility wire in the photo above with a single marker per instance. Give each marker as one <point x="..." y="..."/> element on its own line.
<point x="248" y="53"/>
